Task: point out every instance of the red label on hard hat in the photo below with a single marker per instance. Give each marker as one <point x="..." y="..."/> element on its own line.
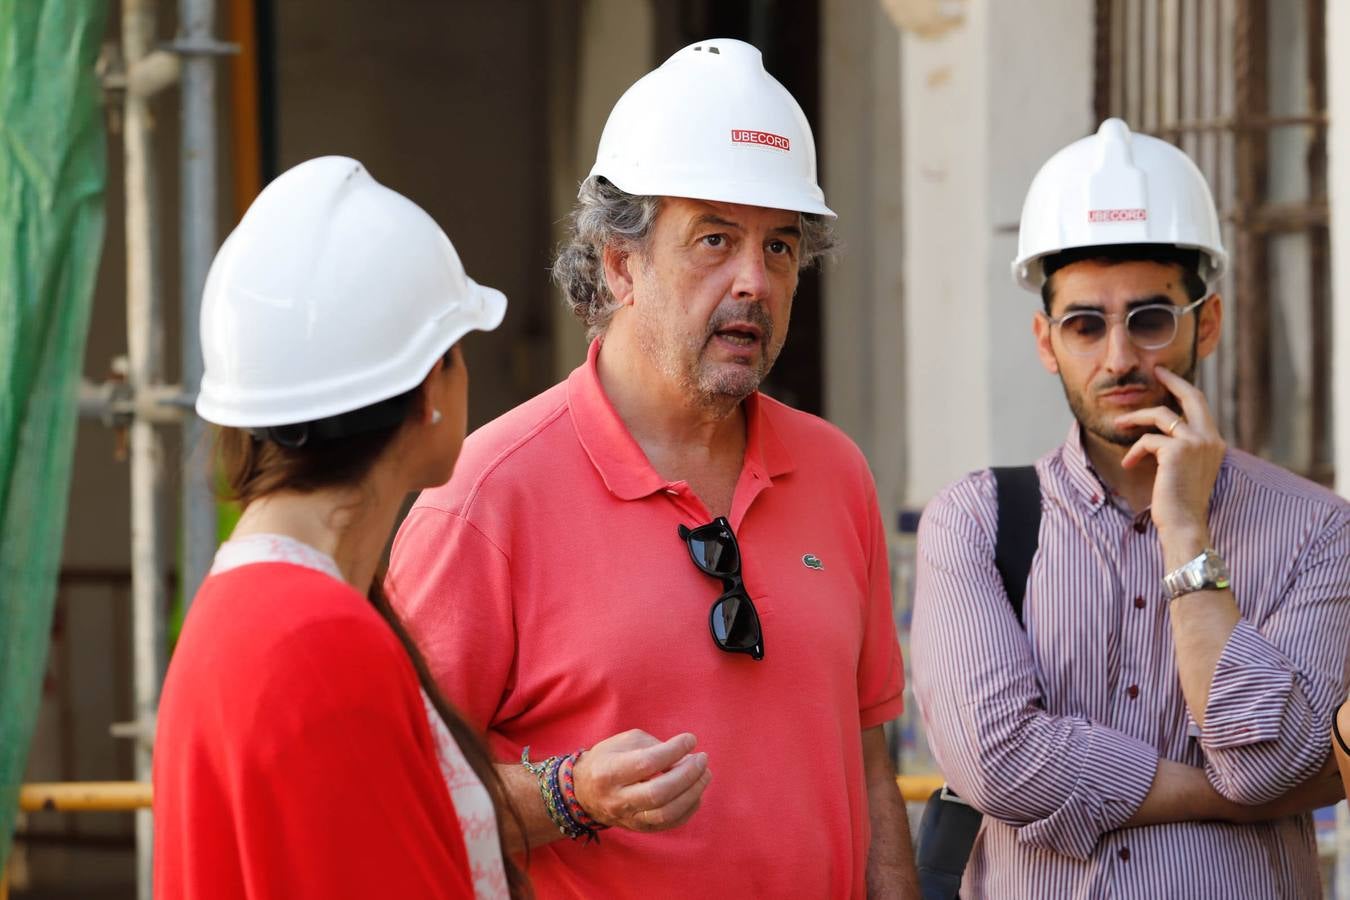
<point x="1117" y="215"/>
<point x="761" y="138"/>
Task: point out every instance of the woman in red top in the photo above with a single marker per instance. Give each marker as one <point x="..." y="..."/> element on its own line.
<point x="303" y="749"/>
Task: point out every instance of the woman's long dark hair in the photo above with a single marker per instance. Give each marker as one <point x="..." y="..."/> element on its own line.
<point x="254" y="468"/>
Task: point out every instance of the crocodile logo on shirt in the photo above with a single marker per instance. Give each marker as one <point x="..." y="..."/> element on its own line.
<point x="811" y="561"/>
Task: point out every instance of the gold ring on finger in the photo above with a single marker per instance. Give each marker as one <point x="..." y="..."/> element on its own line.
<point x="1173" y="427"/>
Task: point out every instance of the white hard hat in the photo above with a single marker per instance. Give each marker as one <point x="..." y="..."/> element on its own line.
<point x="1117" y="188"/>
<point x="711" y="124"/>
<point x="332" y="294"/>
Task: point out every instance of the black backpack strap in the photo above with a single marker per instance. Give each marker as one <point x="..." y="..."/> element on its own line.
<point x="949" y="826"/>
<point x="947" y="833"/>
<point x="1019" y="526"/>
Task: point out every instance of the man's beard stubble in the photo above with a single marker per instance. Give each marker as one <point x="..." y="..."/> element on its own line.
<point x="1100" y="427"/>
<point x="683" y="361"/>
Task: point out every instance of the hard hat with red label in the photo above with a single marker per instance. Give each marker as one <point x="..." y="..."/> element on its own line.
<point x="1116" y="187"/>
<point x="711" y="124"/>
<point x="333" y="294"/>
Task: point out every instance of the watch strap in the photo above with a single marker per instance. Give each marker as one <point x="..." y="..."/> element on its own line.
<point x="1207" y="572"/>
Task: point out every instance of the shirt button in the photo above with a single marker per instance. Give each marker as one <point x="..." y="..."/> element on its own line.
<point x="1140" y="603"/>
<point x="1133" y="691"/>
<point x="1140" y="527"/>
<point x="1124" y="854"/>
<point x="1095" y="498"/>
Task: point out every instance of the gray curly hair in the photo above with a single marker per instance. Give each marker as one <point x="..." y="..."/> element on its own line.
<point x="605" y="215"/>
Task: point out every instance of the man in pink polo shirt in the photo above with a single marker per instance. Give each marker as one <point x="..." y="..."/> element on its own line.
<point x="656" y="562"/>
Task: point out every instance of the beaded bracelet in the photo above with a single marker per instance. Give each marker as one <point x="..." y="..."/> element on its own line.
<point x="566" y="824"/>
<point x="569" y="792"/>
<point x="551" y="791"/>
<point x="546" y="773"/>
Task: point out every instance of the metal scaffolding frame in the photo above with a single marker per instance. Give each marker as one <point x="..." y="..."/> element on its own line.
<point x="140" y="400"/>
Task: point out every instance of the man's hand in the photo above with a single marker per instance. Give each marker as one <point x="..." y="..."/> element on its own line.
<point x="634" y="781"/>
<point x="1189" y="451"/>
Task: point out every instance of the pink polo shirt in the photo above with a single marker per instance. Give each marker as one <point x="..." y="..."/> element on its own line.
<point x="557" y="605"/>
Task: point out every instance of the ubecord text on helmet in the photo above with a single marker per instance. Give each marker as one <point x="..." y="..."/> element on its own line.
<point x="761" y="138"/>
<point x="1117" y="215"/>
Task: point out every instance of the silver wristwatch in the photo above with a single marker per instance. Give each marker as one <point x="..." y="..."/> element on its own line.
<point x="1207" y="572"/>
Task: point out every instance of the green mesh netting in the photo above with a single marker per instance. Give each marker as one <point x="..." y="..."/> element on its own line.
<point x="52" y="173"/>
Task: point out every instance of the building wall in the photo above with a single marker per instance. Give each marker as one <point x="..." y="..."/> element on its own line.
<point x="445" y="103"/>
<point x="859" y="129"/>
<point x="599" y="48"/>
<point x="985" y="100"/>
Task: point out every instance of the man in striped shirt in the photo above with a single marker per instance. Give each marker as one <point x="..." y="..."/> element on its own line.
<point x="1155" y="726"/>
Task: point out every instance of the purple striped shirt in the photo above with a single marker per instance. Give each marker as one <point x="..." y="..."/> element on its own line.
<point x="1055" y="731"/>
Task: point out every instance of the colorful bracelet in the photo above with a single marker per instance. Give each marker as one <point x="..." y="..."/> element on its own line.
<point x="569" y="792"/>
<point x="559" y="796"/>
<point x="553" y="802"/>
<point x="556" y="805"/>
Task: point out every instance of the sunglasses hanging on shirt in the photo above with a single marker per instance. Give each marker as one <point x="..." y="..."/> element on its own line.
<point x="733" y="620"/>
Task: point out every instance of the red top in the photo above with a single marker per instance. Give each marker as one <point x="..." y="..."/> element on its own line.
<point x="556" y="602"/>
<point x="293" y="757"/>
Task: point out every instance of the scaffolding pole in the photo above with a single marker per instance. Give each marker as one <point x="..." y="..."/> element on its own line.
<point x="145" y="357"/>
<point x="198" y="244"/>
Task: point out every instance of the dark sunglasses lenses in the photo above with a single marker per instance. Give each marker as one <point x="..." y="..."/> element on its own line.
<point x="735" y="623"/>
<point x="1152" y="327"/>
<point x="714" y="551"/>
<point x="733" y="619"/>
<point x="1082" y="329"/>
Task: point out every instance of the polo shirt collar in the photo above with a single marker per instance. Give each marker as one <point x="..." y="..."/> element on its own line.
<point x="619" y="459"/>
<point x="763" y="447"/>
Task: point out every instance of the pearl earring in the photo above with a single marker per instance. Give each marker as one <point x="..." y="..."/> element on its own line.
<point x="435" y="417"/>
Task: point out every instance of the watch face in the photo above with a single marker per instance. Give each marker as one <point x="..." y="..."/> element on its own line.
<point x="1216" y="572"/>
<point x="1206" y="572"/>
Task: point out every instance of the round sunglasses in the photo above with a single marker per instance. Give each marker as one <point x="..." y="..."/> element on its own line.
<point x="1150" y="327"/>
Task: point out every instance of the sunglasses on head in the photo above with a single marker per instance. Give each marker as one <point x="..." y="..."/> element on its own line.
<point x="733" y="620"/>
